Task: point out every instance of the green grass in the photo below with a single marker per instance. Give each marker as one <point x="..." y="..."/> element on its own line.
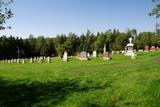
<point x="120" y="82"/>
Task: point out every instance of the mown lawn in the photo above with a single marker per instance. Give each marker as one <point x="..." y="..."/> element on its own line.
<point x="120" y="82"/>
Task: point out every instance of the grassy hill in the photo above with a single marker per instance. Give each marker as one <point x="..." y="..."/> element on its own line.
<point x="120" y="82"/>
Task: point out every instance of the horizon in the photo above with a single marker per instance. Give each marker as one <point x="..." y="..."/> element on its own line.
<point x="52" y="17"/>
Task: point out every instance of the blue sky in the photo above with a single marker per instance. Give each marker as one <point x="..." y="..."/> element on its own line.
<point x="51" y="17"/>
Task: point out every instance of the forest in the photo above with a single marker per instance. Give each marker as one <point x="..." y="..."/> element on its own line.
<point x="14" y="47"/>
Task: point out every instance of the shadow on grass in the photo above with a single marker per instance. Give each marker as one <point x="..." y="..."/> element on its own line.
<point x="24" y="94"/>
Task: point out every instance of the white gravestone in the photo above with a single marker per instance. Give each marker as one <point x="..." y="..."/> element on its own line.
<point x="18" y="61"/>
<point x="31" y="60"/>
<point x="95" y="54"/>
<point x="23" y="61"/>
<point x="104" y="49"/>
<point x="40" y="59"/>
<point x="88" y="55"/>
<point x="48" y="59"/>
<point x="14" y="60"/>
<point x="65" y="57"/>
<point x="130" y="49"/>
<point x="11" y="60"/>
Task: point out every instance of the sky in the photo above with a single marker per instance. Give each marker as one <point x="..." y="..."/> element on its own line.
<point x="51" y="17"/>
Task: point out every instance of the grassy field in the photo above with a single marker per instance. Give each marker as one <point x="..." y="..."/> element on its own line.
<point x="120" y="82"/>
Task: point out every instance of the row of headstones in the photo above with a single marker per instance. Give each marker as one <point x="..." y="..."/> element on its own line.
<point x="31" y="60"/>
<point x="150" y="49"/>
<point x="85" y="56"/>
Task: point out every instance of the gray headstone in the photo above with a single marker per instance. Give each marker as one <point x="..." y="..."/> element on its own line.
<point x="83" y="56"/>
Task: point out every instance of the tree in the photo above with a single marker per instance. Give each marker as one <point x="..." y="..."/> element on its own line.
<point x="5" y="13"/>
<point x="156" y="11"/>
<point x="60" y="49"/>
<point x="71" y="43"/>
<point x="101" y="40"/>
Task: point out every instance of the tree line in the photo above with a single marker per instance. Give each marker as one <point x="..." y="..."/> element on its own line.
<point x="14" y="47"/>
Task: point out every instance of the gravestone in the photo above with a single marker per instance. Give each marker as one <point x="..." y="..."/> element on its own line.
<point x="44" y="57"/>
<point x="83" y="56"/>
<point x="88" y="55"/>
<point x="48" y="59"/>
<point x="23" y="61"/>
<point x="106" y="56"/>
<point x="140" y="50"/>
<point x="113" y="52"/>
<point x="31" y="60"/>
<point x="152" y="49"/>
<point x="146" y="49"/>
<point x="11" y="60"/>
<point x="95" y="54"/>
<point x="34" y="59"/>
<point x="40" y="60"/>
<point x="78" y="55"/>
<point x="104" y="49"/>
<point x="14" y="61"/>
<point x="157" y="48"/>
<point x="117" y="52"/>
<point x="65" y="57"/>
<point x="130" y="48"/>
<point x="18" y="61"/>
<point x="123" y="52"/>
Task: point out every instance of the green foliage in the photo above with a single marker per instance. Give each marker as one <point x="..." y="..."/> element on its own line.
<point x="72" y="43"/>
<point x="5" y="13"/>
<point x="101" y="41"/>
<point x="156" y="11"/>
<point x="60" y="50"/>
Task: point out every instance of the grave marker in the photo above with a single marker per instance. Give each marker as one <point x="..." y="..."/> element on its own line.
<point x="83" y="56"/>
<point x="106" y="56"/>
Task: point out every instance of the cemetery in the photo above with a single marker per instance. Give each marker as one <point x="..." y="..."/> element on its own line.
<point x="64" y="83"/>
<point x="79" y="53"/>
